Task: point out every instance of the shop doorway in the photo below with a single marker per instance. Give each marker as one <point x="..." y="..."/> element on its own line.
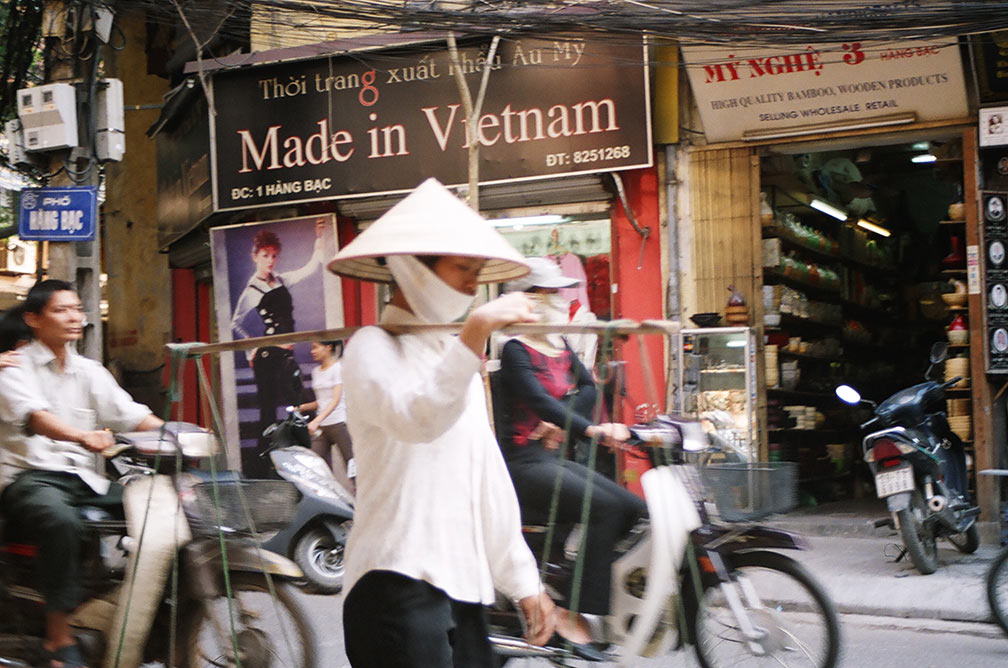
<point x="864" y="268"/>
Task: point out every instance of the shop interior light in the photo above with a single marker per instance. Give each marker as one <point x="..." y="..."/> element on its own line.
<point x="873" y="227"/>
<point x="923" y="158"/>
<point x="828" y="208"/>
<point x="525" y="221"/>
<point x="839" y="126"/>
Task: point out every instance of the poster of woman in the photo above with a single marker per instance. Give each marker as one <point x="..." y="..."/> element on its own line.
<point x="269" y="278"/>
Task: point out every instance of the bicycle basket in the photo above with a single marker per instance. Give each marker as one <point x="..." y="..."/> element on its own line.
<point x="749" y="491"/>
<point x="245" y="506"/>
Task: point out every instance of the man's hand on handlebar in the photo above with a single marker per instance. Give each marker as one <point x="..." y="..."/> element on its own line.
<point x="96" y="441"/>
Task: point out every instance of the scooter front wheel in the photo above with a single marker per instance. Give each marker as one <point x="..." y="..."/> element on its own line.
<point x="791" y="621"/>
<point x="320" y="555"/>
<point x="968" y="541"/>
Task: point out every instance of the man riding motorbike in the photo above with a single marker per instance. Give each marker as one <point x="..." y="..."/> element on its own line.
<point x="57" y="408"/>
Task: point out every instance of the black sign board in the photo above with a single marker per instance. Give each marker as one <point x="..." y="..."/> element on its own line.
<point x="990" y="56"/>
<point x="183" y="172"/>
<point x="383" y="122"/>
<point x="995" y="235"/>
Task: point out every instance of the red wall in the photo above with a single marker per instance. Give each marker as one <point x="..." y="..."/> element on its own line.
<point x="359" y="303"/>
<point x="639" y="290"/>
<point x="190" y="322"/>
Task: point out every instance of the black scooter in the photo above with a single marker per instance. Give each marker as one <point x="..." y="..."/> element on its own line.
<point x="919" y="468"/>
<point x="316" y="537"/>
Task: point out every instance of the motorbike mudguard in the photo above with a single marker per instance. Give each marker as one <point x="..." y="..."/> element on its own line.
<point x="757" y="538"/>
<point x="205" y="565"/>
<point x="898" y="501"/>
<point x="308" y="512"/>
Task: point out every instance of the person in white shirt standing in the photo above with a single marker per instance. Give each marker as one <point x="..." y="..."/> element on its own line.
<point x="328" y="427"/>
<point x="61" y="406"/>
<point x="436" y="524"/>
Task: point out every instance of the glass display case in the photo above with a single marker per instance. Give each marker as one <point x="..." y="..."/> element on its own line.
<point x="717" y="373"/>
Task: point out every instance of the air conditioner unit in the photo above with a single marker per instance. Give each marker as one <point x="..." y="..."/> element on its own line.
<point x="49" y="116"/>
<point x="21" y="256"/>
<point x="110" y="139"/>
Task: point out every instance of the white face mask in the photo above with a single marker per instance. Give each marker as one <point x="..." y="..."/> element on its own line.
<point x="554" y="309"/>
<point x="431" y="299"/>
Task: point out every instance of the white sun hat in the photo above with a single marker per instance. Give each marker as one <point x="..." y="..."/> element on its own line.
<point x="545" y="273"/>
<point x="429" y="221"/>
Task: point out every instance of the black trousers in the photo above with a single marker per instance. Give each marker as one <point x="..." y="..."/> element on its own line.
<point x="612" y="513"/>
<point x="393" y="621"/>
<point x="43" y="505"/>
<point x="278" y="383"/>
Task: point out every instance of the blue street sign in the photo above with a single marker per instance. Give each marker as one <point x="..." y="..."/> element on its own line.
<point x="58" y="214"/>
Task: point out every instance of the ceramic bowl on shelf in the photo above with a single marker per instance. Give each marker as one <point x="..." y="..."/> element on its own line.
<point x="954" y="298"/>
<point x="705" y="319"/>
<point x="771" y="319"/>
<point x="958" y="337"/>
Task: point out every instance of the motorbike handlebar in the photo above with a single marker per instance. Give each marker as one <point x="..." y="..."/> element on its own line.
<point x="950" y="382"/>
<point x="869" y="423"/>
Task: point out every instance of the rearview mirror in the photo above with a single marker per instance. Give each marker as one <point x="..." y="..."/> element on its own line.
<point x="848" y="395"/>
<point x="939" y="351"/>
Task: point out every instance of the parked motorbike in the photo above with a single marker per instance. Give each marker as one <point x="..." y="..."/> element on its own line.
<point x="316" y="536"/>
<point x="913" y="453"/>
<point x="232" y="602"/>
<point x="689" y="574"/>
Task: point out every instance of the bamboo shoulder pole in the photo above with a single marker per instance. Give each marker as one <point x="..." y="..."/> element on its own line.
<point x="599" y="327"/>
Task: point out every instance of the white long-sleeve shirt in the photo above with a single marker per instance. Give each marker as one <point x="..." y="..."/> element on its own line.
<point x="434" y="499"/>
<point x="82" y="394"/>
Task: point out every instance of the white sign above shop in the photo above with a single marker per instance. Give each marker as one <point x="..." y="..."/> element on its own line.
<point x="761" y="92"/>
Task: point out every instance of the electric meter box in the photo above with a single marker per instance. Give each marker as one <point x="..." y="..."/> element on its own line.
<point x="49" y="116"/>
<point x="16" y="152"/>
<point x="110" y="139"/>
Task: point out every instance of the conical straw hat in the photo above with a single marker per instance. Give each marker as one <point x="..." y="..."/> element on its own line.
<point x="429" y="221"/>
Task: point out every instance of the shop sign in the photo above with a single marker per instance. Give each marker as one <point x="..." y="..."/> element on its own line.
<point x="58" y="214"/>
<point x="990" y="55"/>
<point x="995" y="243"/>
<point x="383" y="122"/>
<point x="183" y="173"/>
<point x="759" y="91"/>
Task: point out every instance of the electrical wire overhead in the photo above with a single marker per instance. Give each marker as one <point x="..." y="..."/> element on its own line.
<point x="713" y="21"/>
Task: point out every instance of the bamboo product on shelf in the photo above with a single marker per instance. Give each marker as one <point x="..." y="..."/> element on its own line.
<point x="957" y="366"/>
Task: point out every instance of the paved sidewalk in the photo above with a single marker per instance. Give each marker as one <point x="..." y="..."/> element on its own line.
<point x="855" y="562"/>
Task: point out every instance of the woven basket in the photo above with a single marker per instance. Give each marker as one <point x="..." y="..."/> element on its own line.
<point x="962" y="425"/>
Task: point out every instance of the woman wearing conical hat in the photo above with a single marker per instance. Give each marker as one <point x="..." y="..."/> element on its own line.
<point x="436" y="524"/>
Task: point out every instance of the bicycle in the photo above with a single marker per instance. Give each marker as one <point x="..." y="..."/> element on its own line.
<point x="997" y="576"/>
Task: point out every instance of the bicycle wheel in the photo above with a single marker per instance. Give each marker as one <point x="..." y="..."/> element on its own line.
<point x="269" y="632"/>
<point x="794" y="621"/>
<point x="997" y="589"/>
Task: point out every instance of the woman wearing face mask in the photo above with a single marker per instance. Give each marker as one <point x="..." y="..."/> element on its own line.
<point x="542" y="381"/>
<point x="436" y="524"/>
